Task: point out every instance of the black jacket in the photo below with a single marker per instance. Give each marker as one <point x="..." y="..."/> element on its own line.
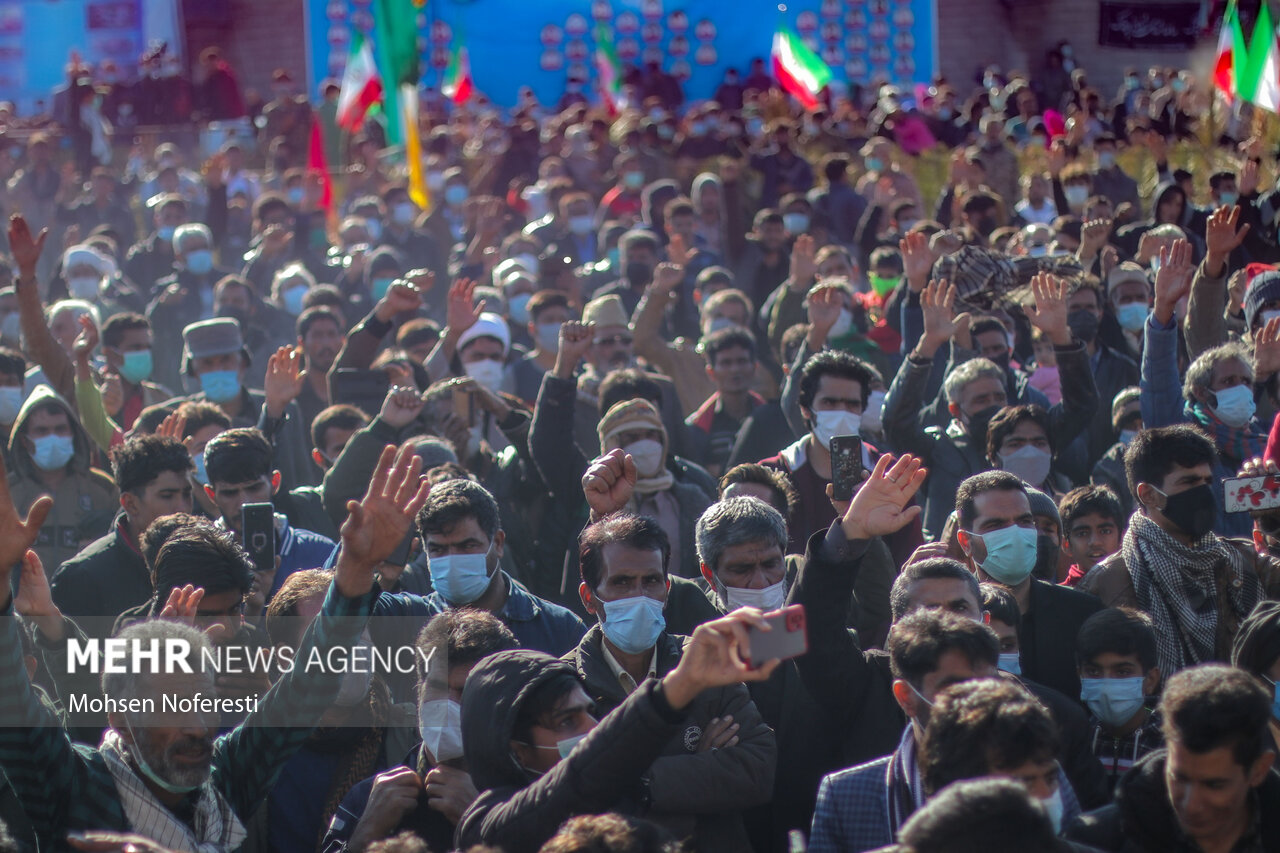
<point x="104" y="580"/>
<point x="1048" y="635"/>
<point x="518" y="812"/>
<point x="1142" y="820"/>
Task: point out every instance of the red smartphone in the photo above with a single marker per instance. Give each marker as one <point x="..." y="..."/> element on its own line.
<point x="789" y="637"/>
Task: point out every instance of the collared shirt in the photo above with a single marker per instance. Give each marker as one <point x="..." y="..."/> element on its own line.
<point x="624" y="678"/>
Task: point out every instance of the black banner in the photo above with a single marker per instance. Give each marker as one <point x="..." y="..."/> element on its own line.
<point x="1170" y="26"/>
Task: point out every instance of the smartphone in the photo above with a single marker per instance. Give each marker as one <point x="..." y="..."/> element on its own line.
<point x="846" y="466"/>
<point x="463" y="406"/>
<point x="258" y="529"/>
<point x="362" y="388"/>
<point x="788" y="639"/>
<point x="1251" y="494"/>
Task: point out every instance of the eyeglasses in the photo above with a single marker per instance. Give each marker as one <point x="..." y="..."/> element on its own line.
<point x="614" y="340"/>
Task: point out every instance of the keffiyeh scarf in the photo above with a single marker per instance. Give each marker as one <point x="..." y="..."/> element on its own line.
<point x="1237" y="444"/>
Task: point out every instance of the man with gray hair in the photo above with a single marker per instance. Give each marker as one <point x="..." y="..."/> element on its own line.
<point x="161" y="773"/>
<point x="183" y="297"/>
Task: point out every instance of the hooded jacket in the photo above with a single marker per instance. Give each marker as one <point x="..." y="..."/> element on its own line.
<point x="517" y="811"/>
<point x="84" y="503"/>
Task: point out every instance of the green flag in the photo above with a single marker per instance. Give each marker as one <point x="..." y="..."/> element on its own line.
<point x="396" y="33"/>
<point x="1260" y="42"/>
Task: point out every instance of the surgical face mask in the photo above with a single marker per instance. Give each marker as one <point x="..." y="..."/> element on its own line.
<point x="1077" y="194"/>
<point x="1228" y="198"/>
<point x="582" y="225"/>
<point x="220" y="385"/>
<point x="872" y="416"/>
<point x="295" y="196"/>
<point x="83" y="286"/>
<point x="633" y="180"/>
<point x="374" y="228"/>
<point x="455" y="194"/>
<point x="528" y="260"/>
<point x="10" y="403"/>
<point x="795" y="223"/>
<point x="487" y="372"/>
<point x="1191" y="511"/>
<point x="842" y="325"/>
<point x="883" y="285"/>
<point x="135" y="750"/>
<point x="1132" y="83"/>
<point x="648" y="455"/>
<point x="518" y="307"/>
<point x="353" y="690"/>
<point x="1053" y="805"/>
<point x="873" y="164"/>
<point x="633" y="624"/>
<point x="1127" y="436"/>
<point x="1029" y="464"/>
<point x="199" y="261"/>
<point x="1268" y="316"/>
<point x="202" y="474"/>
<point x="1235" y="405"/>
<point x="1132" y="316"/>
<point x="717" y="323"/>
<point x="460" y="578"/>
<point x="563" y="747"/>
<point x="165" y="233"/>
<point x="380" y="286"/>
<point x="1011" y="554"/>
<point x="1010" y="662"/>
<point x="549" y="337"/>
<point x="53" y="451"/>
<point x="137" y="366"/>
<point x="771" y="598"/>
<point x="1106" y="159"/>
<point x="11" y="326"/>
<point x="404" y="213"/>
<point x="1113" y="700"/>
<point x="293" y="298"/>
<point x="435" y="180"/>
<point x="1084" y="325"/>
<point x="1275" y="701"/>
<point x="440" y="725"/>
<point x="828" y="424"/>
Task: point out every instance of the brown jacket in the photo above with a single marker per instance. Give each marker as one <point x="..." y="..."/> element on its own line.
<point x="1110" y="581"/>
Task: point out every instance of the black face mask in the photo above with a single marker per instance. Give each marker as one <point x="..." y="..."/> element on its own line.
<point x="1191" y="511"/>
<point x="978" y="423"/>
<point x="639" y="274"/>
<point x="1084" y="325"/>
<point x="1002" y="361"/>
<point x="1047" y="549"/>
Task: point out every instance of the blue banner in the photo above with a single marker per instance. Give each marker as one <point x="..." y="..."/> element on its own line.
<point x="514" y="43"/>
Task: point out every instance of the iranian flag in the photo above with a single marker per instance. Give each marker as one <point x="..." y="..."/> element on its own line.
<point x="1267" y="95"/>
<point x="609" y="68"/>
<point x="1256" y="75"/>
<point x="1231" y="52"/>
<point x="458" y="84"/>
<point x="361" y="86"/>
<point x="797" y="68"/>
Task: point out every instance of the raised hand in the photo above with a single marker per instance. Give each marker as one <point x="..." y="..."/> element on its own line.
<point x="174" y="426"/>
<point x="678" y="251"/>
<point x="1248" y="182"/>
<point x="938" y="307"/>
<point x="34" y="601"/>
<point x="1057" y="158"/>
<point x="879" y="507"/>
<point x="400" y="406"/>
<point x="400" y="297"/>
<point x="917" y="259"/>
<point x="284" y="380"/>
<point x="609" y="483"/>
<point x="1221" y="238"/>
<point x="825" y="304"/>
<point x="1093" y="236"/>
<point x="1049" y="313"/>
<point x="716" y="656"/>
<point x="1173" y="281"/>
<point x="17" y="535"/>
<point x="804" y="267"/>
<point x="461" y="312"/>
<point x="575" y="343"/>
<point x="667" y="277"/>
<point x="87" y="341"/>
<point x="182" y="604"/>
<point x="377" y="523"/>
<point x="1266" y="350"/>
<point x="24" y="248"/>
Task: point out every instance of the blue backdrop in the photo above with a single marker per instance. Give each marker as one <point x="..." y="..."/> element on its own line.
<point x="539" y="43"/>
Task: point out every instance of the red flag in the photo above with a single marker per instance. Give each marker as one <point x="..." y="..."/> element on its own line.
<point x="316" y="162"/>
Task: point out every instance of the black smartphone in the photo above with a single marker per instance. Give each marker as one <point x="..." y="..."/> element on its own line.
<point x="258" y="528"/>
<point x="846" y="466"/>
<point x="364" y="389"/>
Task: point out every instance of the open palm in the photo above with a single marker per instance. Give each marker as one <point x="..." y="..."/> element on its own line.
<point x="880" y="506"/>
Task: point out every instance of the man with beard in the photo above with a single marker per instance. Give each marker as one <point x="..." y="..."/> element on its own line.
<point x="320" y="334"/>
<point x="163" y="775"/>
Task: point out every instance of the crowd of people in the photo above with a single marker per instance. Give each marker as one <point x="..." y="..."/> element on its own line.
<point x="566" y="433"/>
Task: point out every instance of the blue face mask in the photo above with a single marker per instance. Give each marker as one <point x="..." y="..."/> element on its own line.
<point x="137" y="366"/>
<point x="1011" y="554"/>
<point x="200" y="261"/>
<point x="1113" y="700"/>
<point x="455" y="194"/>
<point x="1010" y="662"/>
<point x="1132" y="316"/>
<point x="633" y="624"/>
<point x="1275" y="701"/>
<point x="1228" y="198"/>
<point x="380" y="286"/>
<point x="53" y="451"/>
<point x="220" y="385"/>
<point x="1235" y="405"/>
<point x="165" y="233"/>
<point x="1127" y="435"/>
<point x="873" y="164"/>
<point x="460" y="578"/>
<point x="518" y="307"/>
<point x="202" y="474"/>
<point x="549" y="337"/>
<point x="293" y="298"/>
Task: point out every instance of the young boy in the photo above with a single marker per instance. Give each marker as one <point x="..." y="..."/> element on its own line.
<point x="1006" y="620"/>
<point x="1119" y="682"/>
<point x="1093" y="523"/>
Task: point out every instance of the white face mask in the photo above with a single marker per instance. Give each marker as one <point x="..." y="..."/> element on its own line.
<point x="770" y="598"/>
<point x="842" y="325"/>
<point x="871" y="416"/>
<point x="440" y="724"/>
<point x="487" y="372"/>
<point x="835" y="422"/>
<point x="83" y="286"/>
<point x="1029" y="464"/>
<point x="1053" y="805"/>
<point x="648" y="455"/>
<point x="528" y="260"/>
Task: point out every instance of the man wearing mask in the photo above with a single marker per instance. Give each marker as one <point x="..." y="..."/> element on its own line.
<point x="382" y="806"/>
<point x="1170" y="561"/>
<point x="639" y="255"/>
<point x="1129" y="291"/>
<point x="127" y="351"/>
<point x="975" y="390"/>
<point x="12" y="369"/>
<point x="999" y="539"/>
<point x="714" y="427"/>
<point x="723" y="762"/>
<point x="183" y="297"/>
<point x="417" y="248"/>
<point x="151" y="259"/>
<point x="548" y="311"/>
<point x="235" y="298"/>
<point x="215" y="356"/>
<point x="1109" y="179"/>
<point x="86" y="271"/>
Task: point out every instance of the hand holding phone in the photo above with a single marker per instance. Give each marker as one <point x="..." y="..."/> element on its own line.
<point x="846" y="466"/>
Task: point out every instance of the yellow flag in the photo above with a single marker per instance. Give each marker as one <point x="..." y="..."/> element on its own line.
<point x="412" y="146"/>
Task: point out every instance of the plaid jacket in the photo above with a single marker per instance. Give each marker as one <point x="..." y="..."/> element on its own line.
<point x="65" y="786"/>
